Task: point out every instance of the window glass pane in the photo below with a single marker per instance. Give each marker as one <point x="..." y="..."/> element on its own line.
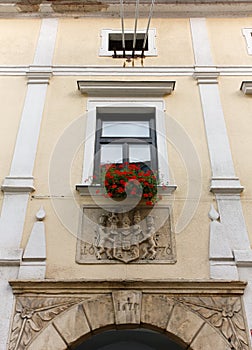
<point x="126" y="129"/>
<point x="111" y="154"/>
<point x="139" y="153"/>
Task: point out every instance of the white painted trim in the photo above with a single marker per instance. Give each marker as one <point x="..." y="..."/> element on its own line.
<point x="10" y="257"/>
<point x="26" y="146"/>
<point x="243" y="258"/>
<point x="247" y="33"/>
<point x="229" y="185"/>
<point x="46" y="42"/>
<point x="164" y="71"/>
<point x="13" y="218"/>
<point x="158" y="104"/>
<point x="18" y="184"/>
<point x="218" y="143"/>
<point x="152" y="50"/>
<point x="202" y="51"/>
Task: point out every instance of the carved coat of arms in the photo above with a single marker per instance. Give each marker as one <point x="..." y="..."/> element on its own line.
<point x="133" y="236"/>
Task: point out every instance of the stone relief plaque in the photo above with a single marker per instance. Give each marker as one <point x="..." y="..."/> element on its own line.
<point x="141" y="235"/>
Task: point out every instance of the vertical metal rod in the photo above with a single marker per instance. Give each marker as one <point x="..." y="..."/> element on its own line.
<point x="147" y="28"/>
<point x="135" y="30"/>
<point x="122" y="21"/>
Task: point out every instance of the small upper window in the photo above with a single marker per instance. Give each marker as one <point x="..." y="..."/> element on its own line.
<point x="115" y="42"/>
<point x="111" y="42"/>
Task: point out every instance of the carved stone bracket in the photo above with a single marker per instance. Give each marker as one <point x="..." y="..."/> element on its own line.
<point x="208" y="317"/>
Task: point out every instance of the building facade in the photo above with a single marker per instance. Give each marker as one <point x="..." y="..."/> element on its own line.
<point x="80" y="270"/>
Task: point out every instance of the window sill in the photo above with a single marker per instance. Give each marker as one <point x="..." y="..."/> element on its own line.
<point x="83" y="189"/>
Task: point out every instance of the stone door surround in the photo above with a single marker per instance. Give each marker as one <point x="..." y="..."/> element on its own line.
<point x="61" y="314"/>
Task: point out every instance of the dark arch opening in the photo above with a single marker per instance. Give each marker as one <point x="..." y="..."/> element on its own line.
<point x="129" y="339"/>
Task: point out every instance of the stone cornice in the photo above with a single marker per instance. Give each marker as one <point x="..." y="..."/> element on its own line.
<point x="108" y="8"/>
<point x="99" y="88"/>
<point x="22" y="287"/>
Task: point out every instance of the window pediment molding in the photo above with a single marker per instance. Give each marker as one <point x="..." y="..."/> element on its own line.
<point x="102" y="88"/>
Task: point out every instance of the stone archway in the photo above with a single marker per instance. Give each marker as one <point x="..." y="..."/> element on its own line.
<point x="207" y="315"/>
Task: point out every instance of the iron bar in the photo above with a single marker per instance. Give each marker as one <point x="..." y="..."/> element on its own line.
<point x="122" y="21"/>
<point x="147" y="28"/>
<point x="135" y="29"/>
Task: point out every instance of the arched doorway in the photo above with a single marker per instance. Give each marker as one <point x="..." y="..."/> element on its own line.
<point x="125" y="339"/>
<point x="62" y="315"/>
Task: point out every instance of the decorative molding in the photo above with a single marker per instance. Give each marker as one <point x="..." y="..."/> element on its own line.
<point x="101" y="88"/>
<point x="246" y="87"/>
<point x="34" y="314"/>
<point x="18" y="184"/>
<point x="206" y="76"/>
<point x="49" y="287"/>
<point x="243" y="258"/>
<point x="10" y="257"/>
<point x="224" y="314"/>
<point x="38" y="77"/>
<point x="226" y="185"/>
<point x="91" y="71"/>
<point x="33" y="265"/>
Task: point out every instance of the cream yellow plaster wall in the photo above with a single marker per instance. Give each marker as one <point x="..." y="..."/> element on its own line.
<point x="18" y="40"/>
<point x="64" y="104"/>
<point x="237" y="109"/>
<point x="227" y="42"/>
<point x="78" y="41"/>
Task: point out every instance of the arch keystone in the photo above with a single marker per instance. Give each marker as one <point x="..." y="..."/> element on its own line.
<point x="127" y="304"/>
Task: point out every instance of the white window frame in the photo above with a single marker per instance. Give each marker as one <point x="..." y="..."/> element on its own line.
<point x="93" y="103"/>
<point x="247" y="33"/>
<point x="152" y="50"/>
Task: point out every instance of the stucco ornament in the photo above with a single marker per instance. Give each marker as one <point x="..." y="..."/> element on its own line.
<point x="32" y="315"/>
<point x="225" y="314"/>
